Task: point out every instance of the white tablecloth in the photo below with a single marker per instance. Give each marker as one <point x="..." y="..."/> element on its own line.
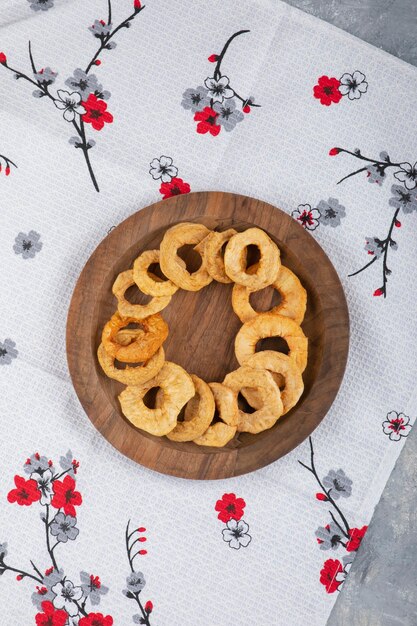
<point x="280" y="559"/>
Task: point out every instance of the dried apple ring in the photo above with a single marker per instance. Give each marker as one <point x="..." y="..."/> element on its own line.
<point x="211" y="250"/>
<point x="198" y="413"/>
<point x="127" y="335"/>
<point x="226" y="403"/>
<point x="235" y="259"/>
<point x="270" y="325"/>
<point x="278" y="363"/>
<point x="144" y="344"/>
<point x="146" y="281"/>
<point x="138" y="311"/>
<point x="178" y="389"/>
<point x="217" y="435"/>
<point x="172" y="265"/>
<point x="293" y="298"/>
<point x="269" y="404"/>
<point x="131" y="375"/>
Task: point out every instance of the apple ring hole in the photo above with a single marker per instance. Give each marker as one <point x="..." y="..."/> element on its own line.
<point x="253" y="255"/>
<point x="155" y="269"/>
<point x="277" y="344"/>
<point x="135" y="296"/>
<point x="244" y="405"/>
<point x="149" y="399"/>
<point x="190" y="257"/>
<point x="265" y="299"/>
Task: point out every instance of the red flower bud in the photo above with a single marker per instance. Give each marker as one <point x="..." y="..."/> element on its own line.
<point x="143" y="552"/>
<point x="149" y="607"/>
<point x="398" y="223"/>
<point x="246" y="108"/>
<point x="50" y="463"/>
<point x="28" y="461"/>
<point x="141" y="539"/>
<point x="102" y="22"/>
<point x="137" y="5"/>
<point x="97" y="62"/>
<point x="334" y="151"/>
<point x="379" y="292"/>
<point x="19" y="577"/>
<point x="141" y="529"/>
<point x="3" y="58"/>
<point x="7" y="170"/>
<point x="321" y="496"/>
<point x="213" y="58"/>
<point x="49" y="571"/>
<point x="37" y="456"/>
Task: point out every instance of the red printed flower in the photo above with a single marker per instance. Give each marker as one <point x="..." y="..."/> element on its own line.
<point x="96" y="112"/>
<point x="175" y="187"/>
<point x="356" y="535"/>
<point x="207" y="122"/>
<point x="51" y="616"/>
<point x="331" y="569"/>
<point x="327" y="90"/>
<point x="149" y="607"/>
<point x="230" y="507"/>
<point x="65" y="496"/>
<point x="26" y="492"/>
<point x="96" y="619"/>
<point x="3" y="58"/>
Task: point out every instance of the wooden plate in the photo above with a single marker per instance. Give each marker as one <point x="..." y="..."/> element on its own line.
<point x="202" y="330"/>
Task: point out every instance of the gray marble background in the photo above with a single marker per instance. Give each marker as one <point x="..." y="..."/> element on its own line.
<point x="381" y="589"/>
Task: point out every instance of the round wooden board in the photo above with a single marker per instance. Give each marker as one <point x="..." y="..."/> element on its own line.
<point x="202" y="330"/>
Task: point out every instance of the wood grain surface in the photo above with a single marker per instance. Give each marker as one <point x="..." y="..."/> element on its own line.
<point x="202" y="328"/>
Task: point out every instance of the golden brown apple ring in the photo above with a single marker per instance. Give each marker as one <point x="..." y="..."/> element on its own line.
<point x="127" y="335"/>
<point x="131" y="375"/>
<point x="277" y="363"/>
<point x="172" y="265"/>
<point x="178" y="389"/>
<point x="226" y="403"/>
<point x="139" y="311"/>
<point x="270" y="407"/>
<point x="198" y="413"/>
<point x="293" y="298"/>
<point x="146" y="281"/>
<point x="217" y="435"/>
<point x="220" y="433"/>
<point x="211" y="251"/>
<point x="270" y="325"/>
<point x="144" y="344"/>
<point x="235" y="260"/>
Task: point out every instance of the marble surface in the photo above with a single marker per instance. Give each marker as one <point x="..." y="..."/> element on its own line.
<point x="381" y="589"/>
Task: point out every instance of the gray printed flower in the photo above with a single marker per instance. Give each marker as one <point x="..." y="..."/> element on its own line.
<point x="8" y="352"/>
<point x="135" y="582"/>
<point x="27" y="244"/>
<point x="100" y="28"/>
<point x="338" y="484"/>
<point x="63" y="527"/>
<point x="41" y="5"/>
<point x="67" y="596"/>
<point x="68" y="464"/>
<point x="219" y="89"/>
<point x="44" y="481"/>
<point x="195" y="99"/>
<point x="92" y="587"/>
<point x="229" y="115"/>
<point x="407" y="175"/>
<point x="236" y="534"/>
<point x="162" y="168"/>
<point x="3" y="550"/>
<point x="376" y="174"/>
<point x="353" y="85"/>
<point x="403" y="199"/>
<point x="331" y="212"/>
<point x="36" y="463"/>
<point x="42" y="594"/>
<point x="329" y="536"/>
<point x="54" y="576"/>
<point x="374" y="246"/>
<point x="83" y="83"/>
<point x="70" y="103"/>
<point x="46" y="76"/>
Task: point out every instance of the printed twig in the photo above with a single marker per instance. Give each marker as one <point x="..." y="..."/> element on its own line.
<point x="383" y="165"/>
<point x="20" y="572"/>
<point x="386" y="244"/>
<point x="313" y="470"/>
<point x="217" y="69"/>
<point x="48" y="543"/>
<point x="128" y="536"/>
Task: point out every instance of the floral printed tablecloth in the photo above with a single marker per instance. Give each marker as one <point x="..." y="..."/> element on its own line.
<point x="105" y="108"/>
